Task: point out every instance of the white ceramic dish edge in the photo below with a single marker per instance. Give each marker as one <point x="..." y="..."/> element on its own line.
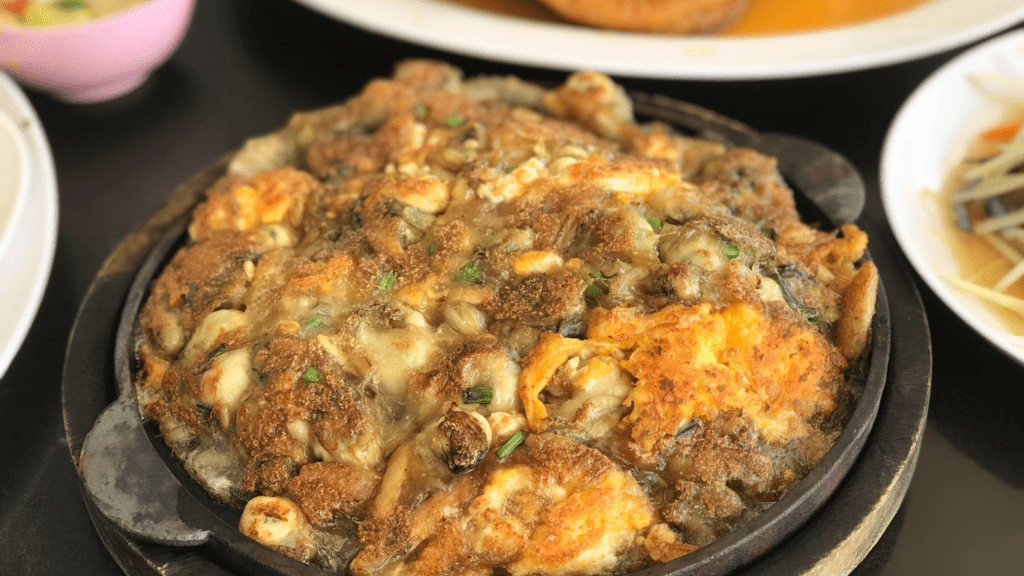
<point x="26" y="264"/>
<point x="14" y="179"/>
<point x="934" y="26"/>
<point x="926" y="139"/>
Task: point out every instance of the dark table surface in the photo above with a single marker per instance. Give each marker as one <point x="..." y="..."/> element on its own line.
<point x="245" y="65"/>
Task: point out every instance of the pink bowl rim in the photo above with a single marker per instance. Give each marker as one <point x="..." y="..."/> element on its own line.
<point x="164" y="24"/>
<point x="142" y="10"/>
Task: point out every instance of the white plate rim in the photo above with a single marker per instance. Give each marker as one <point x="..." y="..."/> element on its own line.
<point x="17" y="206"/>
<point x="930" y="28"/>
<point x="29" y="257"/>
<point x="907" y="170"/>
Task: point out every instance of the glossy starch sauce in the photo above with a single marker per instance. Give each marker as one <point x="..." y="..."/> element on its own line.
<point x="790" y="16"/>
<point x="763" y="16"/>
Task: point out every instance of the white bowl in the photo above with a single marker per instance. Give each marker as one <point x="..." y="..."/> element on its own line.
<point x="26" y="261"/>
<point x="14" y="178"/>
<point x="926" y="139"/>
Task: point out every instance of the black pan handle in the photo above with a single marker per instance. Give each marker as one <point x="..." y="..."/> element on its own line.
<point x="130" y="484"/>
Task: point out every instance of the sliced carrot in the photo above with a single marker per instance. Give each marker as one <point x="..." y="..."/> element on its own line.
<point x="1002" y="132"/>
<point x="15" y="6"/>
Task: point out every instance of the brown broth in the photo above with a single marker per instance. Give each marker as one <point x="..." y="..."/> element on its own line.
<point x="763" y="16"/>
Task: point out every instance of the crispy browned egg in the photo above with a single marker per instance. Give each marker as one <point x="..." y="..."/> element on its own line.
<point x="453" y="326"/>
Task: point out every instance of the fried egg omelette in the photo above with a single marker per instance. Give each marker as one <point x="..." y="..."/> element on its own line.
<point x="467" y="326"/>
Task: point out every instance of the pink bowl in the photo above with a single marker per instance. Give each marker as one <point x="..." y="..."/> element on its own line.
<point x="97" y="60"/>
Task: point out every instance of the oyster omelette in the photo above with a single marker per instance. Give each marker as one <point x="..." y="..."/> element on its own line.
<point x="467" y="326"/>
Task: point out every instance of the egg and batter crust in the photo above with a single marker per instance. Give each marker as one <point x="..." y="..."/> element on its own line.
<point x="460" y="326"/>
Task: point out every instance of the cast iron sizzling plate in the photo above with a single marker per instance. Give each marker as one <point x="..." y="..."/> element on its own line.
<point x="132" y="480"/>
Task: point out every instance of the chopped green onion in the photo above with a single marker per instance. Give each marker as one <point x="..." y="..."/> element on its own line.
<point x="316" y="320"/>
<point x="511" y="444"/>
<point x="509" y="169"/>
<point x="71" y="5"/>
<point x="420" y="111"/>
<point x="455" y="121"/>
<point x="768" y="233"/>
<point x="432" y="249"/>
<point x="595" y="289"/>
<point x="220" y="349"/>
<point x="312" y="375"/>
<point x="471" y="272"/>
<point x="478" y="395"/>
<point x="731" y="251"/>
<point x="811" y="316"/>
<point x="388" y="281"/>
<point x="655" y="223"/>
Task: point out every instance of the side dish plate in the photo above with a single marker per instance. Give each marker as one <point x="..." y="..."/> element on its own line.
<point x="28" y="243"/>
<point x="932" y="27"/>
<point x="926" y="139"/>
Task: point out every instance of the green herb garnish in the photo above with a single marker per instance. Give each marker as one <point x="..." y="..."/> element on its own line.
<point x="478" y="395"/>
<point x="220" y="349"/>
<point x="70" y="5"/>
<point x="511" y="444"/>
<point x="471" y="272"/>
<point x="432" y="249"/>
<point x="388" y="281"/>
<point x="768" y="233"/>
<point x="455" y="121"/>
<point x="260" y="376"/>
<point x="731" y="251"/>
<point x="316" y="320"/>
<point x="811" y="316"/>
<point x="599" y="288"/>
<point x="420" y="111"/>
<point x="312" y="375"/>
<point x="655" y="223"/>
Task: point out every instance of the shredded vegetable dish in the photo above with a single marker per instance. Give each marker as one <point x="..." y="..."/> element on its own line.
<point x="987" y="199"/>
<point x="478" y="326"/>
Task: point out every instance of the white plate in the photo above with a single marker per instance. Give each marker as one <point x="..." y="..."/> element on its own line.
<point x="26" y="262"/>
<point x="14" y="173"/>
<point x="927" y="138"/>
<point x="930" y="28"/>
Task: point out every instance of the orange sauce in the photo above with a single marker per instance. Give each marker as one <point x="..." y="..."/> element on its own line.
<point x="790" y="16"/>
<point x="763" y="16"/>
